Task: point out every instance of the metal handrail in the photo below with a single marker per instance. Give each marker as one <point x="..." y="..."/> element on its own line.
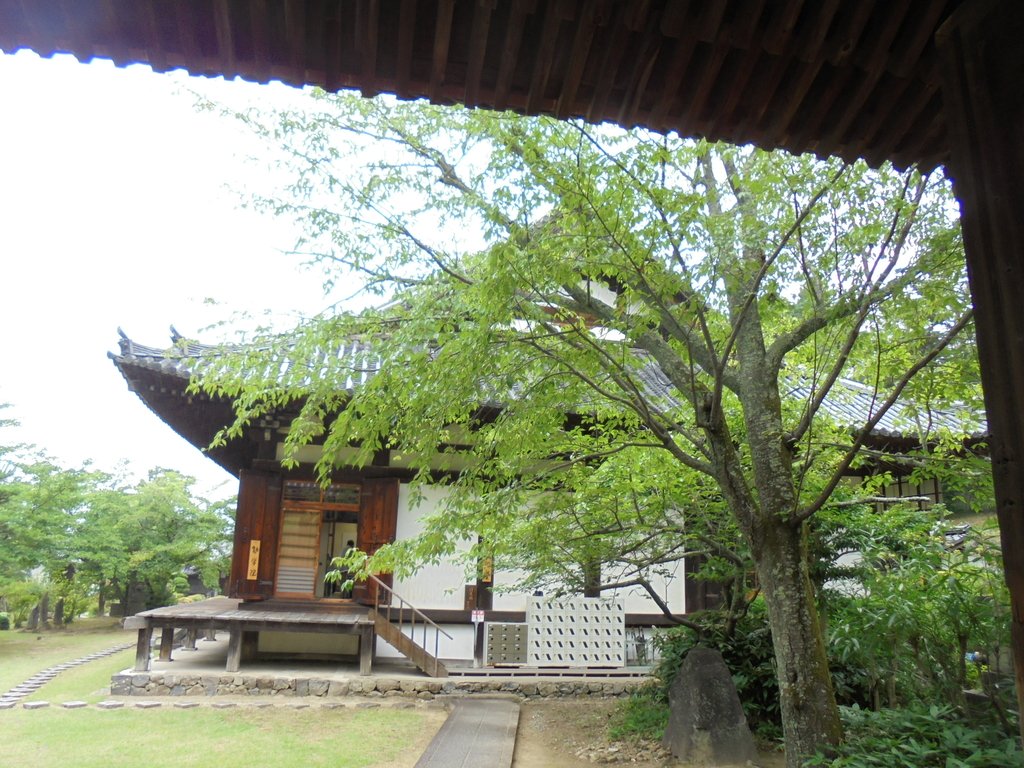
<point x="415" y="612"/>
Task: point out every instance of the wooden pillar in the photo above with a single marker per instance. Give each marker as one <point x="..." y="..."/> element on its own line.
<point x="190" y="639"/>
<point x="166" y="643"/>
<point x="142" y="648"/>
<point x="367" y="639"/>
<point x="234" y="662"/>
<point x="982" y="63"/>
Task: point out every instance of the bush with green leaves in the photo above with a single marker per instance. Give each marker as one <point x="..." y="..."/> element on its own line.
<point x="21" y="596"/>
<point x="914" y="605"/>
<point x="920" y="737"/>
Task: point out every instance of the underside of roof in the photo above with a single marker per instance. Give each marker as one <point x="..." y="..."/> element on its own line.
<point x="853" y="79"/>
<point x="161" y="379"/>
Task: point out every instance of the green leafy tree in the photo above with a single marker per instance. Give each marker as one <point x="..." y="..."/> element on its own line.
<point x="134" y="541"/>
<point x="75" y="534"/>
<point x="566" y="303"/>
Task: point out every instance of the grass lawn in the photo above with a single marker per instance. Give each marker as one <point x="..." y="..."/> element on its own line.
<point x="245" y="737"/>
<point x="203" y="737"/>
<point x="22" y="654"/>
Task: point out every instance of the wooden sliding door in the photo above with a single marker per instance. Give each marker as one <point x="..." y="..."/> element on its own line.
<point x="297" y="558"/>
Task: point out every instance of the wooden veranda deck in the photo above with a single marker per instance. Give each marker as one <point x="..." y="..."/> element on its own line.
<point x="243" y="624"/>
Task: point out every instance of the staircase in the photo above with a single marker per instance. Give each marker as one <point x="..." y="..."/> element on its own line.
<point x="400" y="624"/>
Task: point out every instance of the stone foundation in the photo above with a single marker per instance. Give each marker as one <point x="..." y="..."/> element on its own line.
<point x="159" y="684"/>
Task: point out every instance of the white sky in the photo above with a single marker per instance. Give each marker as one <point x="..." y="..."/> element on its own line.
<point x="114" y="212"/>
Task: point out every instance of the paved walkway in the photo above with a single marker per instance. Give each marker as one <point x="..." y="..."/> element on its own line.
<point x="479" y="732"/>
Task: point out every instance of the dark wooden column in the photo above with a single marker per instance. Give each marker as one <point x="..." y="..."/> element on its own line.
<point x="982" y="67"/>
<point x="142" y="648"/>
<point x="166" y="643"/>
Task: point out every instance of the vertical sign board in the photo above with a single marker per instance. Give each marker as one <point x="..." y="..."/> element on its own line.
<point x="253" y="571"/>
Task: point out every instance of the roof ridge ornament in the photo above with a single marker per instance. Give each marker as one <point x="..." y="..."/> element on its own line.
<point x="127" y="347"/>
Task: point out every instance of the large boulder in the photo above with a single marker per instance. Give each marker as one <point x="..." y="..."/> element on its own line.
<point x="706" y="723"/>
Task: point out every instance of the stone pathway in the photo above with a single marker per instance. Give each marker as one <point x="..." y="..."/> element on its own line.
<point x="478" y="732"/>
<point x="192" y="704"/>
<point x="38" y="680"/>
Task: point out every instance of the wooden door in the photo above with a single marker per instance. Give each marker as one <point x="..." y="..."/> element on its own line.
<point x="299" y="553"/>
<point x="378" y="522"/>
<point x="254" y="555"/>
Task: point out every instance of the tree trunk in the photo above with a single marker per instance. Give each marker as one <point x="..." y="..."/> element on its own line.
<point x="810" y="717"/>
<point x="44" y="611"/>
<point x="58" y="613"/>
<point x="135" y="596"/>
<point x="592" y="578"/>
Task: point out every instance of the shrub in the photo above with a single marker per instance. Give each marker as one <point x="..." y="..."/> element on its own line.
<point x="900" y="623"/>
<point x="5" y="621"/>
<point x="936" y="737"/>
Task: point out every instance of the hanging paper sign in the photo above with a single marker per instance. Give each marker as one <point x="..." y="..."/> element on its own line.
<point x="254" y="560"/>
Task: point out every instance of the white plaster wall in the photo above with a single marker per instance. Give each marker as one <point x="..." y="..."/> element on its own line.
<point x="671" y="588"/>
<point x="459" y="647"/>
<point x="442" y="586"/>
<point x="433" y="586"/>
<point x="508" y="601"/>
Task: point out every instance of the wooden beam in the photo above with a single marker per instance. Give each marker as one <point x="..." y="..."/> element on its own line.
<point x="477" y="48"/>
<point x="510" y="50"/>
<point x="225" y="37"/>
<point x="442" y="40"/>
<point x="983" y="94"/>
<point x="566" y="106"/>
<point x="406" y="27"/>
<point x="367" y="28"/>
<point x="544" y="54"/>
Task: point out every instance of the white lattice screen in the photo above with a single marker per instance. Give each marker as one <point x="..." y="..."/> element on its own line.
<point x="576" y="632"/>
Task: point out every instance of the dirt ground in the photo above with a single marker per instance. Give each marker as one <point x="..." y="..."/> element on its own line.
<point x="572" y="733"/>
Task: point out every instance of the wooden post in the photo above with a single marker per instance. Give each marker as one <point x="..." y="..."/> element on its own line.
<point x="190" y="639"/>
<point x="234" y="649"/>
<point x="983" y="92"/>
<point x="367" y="639"/>
<point x="166" y="643"/>
<point x="142" y="648"/>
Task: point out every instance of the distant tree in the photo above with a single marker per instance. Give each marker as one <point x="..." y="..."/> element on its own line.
<point x="74" y="534"/>
<point x="134" y="541"/>
<point x="567" y="301"/>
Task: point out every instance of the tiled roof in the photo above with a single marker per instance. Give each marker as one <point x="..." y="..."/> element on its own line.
<point x="185" y="357"/>
<point x="849" y="404"/>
